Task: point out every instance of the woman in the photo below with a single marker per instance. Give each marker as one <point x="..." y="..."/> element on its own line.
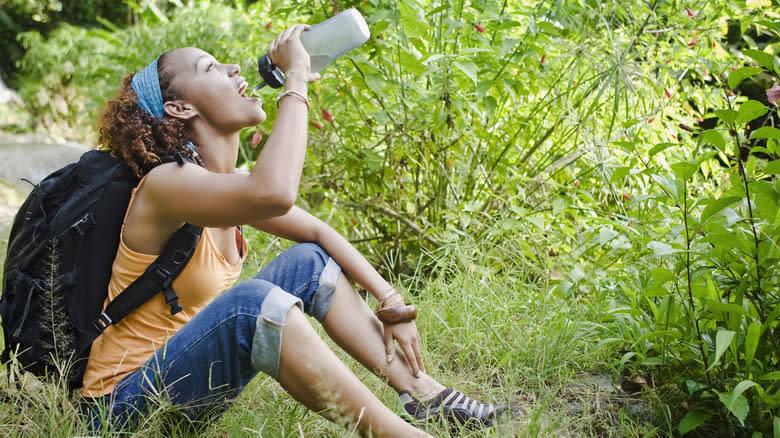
<point x="188" y="103"/>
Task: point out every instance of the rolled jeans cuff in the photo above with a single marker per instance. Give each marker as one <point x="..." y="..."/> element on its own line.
<point x="323" y="297"/>
<point x="268" y="331"/>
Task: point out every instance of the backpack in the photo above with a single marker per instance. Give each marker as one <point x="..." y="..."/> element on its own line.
<point x="62" y="245"/>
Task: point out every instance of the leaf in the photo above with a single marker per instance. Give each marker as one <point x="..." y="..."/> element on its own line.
<point x="717" y="206"/>
<point x="661" y="276"/>
<point x="762" y="58"/>
<point x="773" y="167"/>
<point x="726" y="115"/>
<point x="605" y="235"/>
<point x="722" y="341"/>
<point x="774" y="375"/>
<point x="659" y="147"/>
<point x="766" y="132"/>
<point x="668" y="184"/>
<point x="776" y="427"/>
<point x="752" y="336"/>
<point x="692" y="420"/>
<point x="469" y="69"/>
<point x="714" y="137"/>
<point x="740" y="74"/>
<point x="717" y="306"/>
<point x="410" y="22"/>
<point x="684" y="170"/>
<point x="619" y="173"/>
<point x="750" y="110"/>
<point x="662" y="249"/>
<point x="738" y="406"/>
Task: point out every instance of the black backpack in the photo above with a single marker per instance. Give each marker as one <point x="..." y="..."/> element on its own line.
<point x="60" y="252"/>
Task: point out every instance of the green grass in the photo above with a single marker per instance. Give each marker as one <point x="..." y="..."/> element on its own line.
<point x="496" y="336"/>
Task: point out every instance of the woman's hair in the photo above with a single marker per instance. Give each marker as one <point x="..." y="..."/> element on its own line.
<point x="137" y="137"/>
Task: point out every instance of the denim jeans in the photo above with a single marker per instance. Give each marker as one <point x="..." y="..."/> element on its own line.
<point x="212" y="357"/>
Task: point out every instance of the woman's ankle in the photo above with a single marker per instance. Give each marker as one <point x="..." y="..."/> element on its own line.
<point x="423" y="388"/>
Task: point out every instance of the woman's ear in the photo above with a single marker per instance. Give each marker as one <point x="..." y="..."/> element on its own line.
<point x="180" y="109"/>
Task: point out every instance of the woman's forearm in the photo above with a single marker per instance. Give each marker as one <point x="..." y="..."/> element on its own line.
<point x="300" y="226"/>
<point x="352" y="262"/>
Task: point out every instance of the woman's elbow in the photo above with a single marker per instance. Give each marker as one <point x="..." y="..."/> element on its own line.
<point x="277" y="203"/>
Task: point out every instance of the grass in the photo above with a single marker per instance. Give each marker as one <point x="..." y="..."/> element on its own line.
<point x="495" y="336"/>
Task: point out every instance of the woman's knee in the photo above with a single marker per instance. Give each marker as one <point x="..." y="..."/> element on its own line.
<point x="307" y="272"/>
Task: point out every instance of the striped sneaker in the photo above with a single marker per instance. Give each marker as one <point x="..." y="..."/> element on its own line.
<point x="454" y="407"/>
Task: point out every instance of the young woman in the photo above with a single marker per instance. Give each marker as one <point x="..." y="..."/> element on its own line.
<point x="201" y="357"/>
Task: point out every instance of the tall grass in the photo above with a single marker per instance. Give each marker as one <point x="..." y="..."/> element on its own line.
<point x="497" y="336"/>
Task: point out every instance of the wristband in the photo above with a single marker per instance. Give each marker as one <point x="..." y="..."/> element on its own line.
<point x="295" y="93"/>
<point x="397" y="315"/>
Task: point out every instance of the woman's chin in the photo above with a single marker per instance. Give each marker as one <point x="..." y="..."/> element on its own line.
<point x="258" y="118"/>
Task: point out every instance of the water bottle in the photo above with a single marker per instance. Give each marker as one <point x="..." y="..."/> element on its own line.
<point x="324" y="42"/>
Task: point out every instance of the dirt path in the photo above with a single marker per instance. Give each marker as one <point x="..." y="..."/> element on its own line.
<point x="32" y="157"/>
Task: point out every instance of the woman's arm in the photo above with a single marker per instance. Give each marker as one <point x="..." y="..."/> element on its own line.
<point x="299" y="226"/>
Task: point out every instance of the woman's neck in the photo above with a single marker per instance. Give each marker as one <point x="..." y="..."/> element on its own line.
<point x="219" y="151"/>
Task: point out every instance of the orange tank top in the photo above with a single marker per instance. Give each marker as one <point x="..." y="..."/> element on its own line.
<point x="125" y="346"/>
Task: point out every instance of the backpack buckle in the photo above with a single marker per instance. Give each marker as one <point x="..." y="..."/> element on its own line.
<point x="160" y="274"/>
<point x="172" y="300"/>
<point x="81" y="226"/>
<point x="102" y="322"/>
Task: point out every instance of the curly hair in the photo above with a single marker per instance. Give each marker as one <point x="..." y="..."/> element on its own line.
<point x="137" y="137"/>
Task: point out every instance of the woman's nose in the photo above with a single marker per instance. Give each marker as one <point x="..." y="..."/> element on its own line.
<point x="234" y="69"/>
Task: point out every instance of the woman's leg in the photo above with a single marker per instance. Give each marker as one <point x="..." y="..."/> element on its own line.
<point x="309" y="273"/>
<point x="315" y="376"/>
<point x="352" y="325"/>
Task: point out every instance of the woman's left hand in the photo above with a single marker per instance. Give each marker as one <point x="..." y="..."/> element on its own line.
<point x="409" y="340"/>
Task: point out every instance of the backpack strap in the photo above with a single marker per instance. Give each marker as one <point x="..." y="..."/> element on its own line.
<point x="158" y="276"/>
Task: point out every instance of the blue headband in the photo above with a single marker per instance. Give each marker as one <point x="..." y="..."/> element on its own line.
<point x="146" y="85"/>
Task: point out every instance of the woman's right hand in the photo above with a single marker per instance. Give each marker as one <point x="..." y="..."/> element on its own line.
<point x="287" y="52"/>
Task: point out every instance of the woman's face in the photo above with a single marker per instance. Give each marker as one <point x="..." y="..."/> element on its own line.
<point x="215" y="91"/>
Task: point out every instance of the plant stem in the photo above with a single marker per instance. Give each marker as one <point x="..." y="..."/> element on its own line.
<point x="689" y="284"/>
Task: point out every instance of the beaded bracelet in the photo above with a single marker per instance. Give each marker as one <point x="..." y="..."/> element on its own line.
<point x="295" y="93"/>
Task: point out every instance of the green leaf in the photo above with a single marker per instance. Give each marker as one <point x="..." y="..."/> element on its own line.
<point x="738" y="406"/>
<point x="410" y="21"/>
<point x="742" y="387"/>
<point x="766" y="132"/>
<point x="662" y="249"/>
<point x="722" y="341"/>
<point x="692" y="420"/>
<point x="717" y="206"/>
<point x="739" y="75"/>
<point x="684" y="170"/>
<point x="774" y="375"/>
<point x="605" y="235"/>
<point x="714" y="137"/>
<point x="661" y="275"/>
<point x="752" y="336"/>
<point x="773" y="167"/>
<point x="750" y="110"/>
<point x="619" y="173"/>
<point x="726" y="115"/>
<point x="717" y="306"/>
<point x="469" y="69"/>
<point x="668" y="184"/>
<point x="776" y="427"/>
<point x="762" y="58"/>
<point x="659" y="147"/>
<point x="735" y="402"/>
